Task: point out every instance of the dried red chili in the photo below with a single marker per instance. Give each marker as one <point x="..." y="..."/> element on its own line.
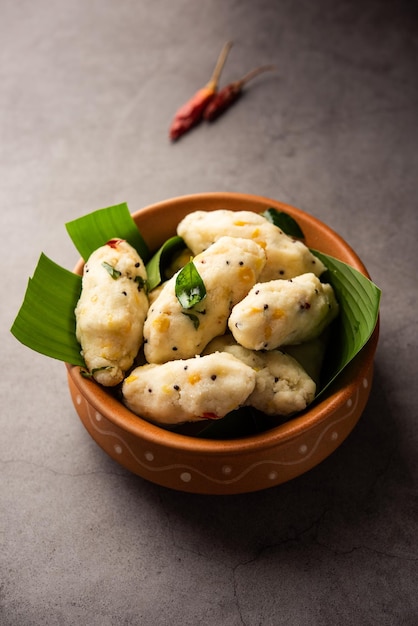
<point x="226" y="96"/>
<point x="191" y="112"/>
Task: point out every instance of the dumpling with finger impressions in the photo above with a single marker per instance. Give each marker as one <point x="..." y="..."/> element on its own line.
<point x="283" y="312"/>
<point x="189" y="390"/>
<point x="228" y="269"/>
<point x="111" y="310"/>
<point x="286" y="257"/>
<point x="282" y="386"/>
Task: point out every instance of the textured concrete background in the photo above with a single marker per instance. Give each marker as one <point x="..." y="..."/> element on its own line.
<point x="88" y="89"/>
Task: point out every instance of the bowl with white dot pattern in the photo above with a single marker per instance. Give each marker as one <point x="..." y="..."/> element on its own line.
<point x="208" y="466"/>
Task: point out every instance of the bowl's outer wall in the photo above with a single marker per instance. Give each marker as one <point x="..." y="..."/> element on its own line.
<point x="224" y="467"/>
<point x="228" y="471"/>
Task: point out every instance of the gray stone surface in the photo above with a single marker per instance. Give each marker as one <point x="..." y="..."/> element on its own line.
<point x="87" y="92"/>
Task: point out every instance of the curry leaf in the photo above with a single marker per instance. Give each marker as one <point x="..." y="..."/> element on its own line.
<point x="285" y="222"/>
<point x="142" y="283"/>
<point x="193" y="318"/>
<point x="112" y="271"/>
<point x="190" y="288"/>
<point x="159" y="261"/>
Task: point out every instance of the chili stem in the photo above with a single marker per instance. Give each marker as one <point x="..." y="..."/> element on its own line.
<point x="229" y="94"/>
<point x="214" y="80"/>
<point x="253" y="73"/>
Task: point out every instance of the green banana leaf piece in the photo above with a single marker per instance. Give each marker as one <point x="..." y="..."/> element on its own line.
<point x="359" y="300"/>
<point x="94" y="229"/>
<point x="46" y="321"/>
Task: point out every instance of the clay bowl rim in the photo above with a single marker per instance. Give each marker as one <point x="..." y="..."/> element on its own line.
<point x="335" y="397"/>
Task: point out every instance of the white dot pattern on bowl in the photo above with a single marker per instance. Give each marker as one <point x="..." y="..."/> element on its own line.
<point x="230" y="475"/>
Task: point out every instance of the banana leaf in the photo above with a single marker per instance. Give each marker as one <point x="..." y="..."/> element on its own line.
<point x="46" y="321"/>
<point x="94" y="229"/>
<point x="359" y="300"/>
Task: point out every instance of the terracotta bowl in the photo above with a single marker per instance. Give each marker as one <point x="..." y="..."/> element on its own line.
<point x="247" y="464"/>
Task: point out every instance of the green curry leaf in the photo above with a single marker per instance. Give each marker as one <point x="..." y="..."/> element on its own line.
<point x="193" y="318"/>
<point x="190" y="288"/>
<point x="285" y="222"/>
<point x="112" y="271"/>
<point x="159" y="261"/>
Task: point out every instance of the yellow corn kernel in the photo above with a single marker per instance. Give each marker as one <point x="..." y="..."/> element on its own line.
<point x="267" y="332"/>
<point x="167" y="389"/>
<point x="254" y="310"/>
<point x="255" y="233"/>
<point x="194" y="378"/>
<point x="240" y="223"/>
<point x="130" y="379"/>
<point x="246" y="274"/>
<point x="277" y="314"/>
<point x="161" y="324"/>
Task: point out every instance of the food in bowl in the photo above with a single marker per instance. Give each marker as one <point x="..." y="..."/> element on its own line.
<point x="229" y="285"/>
<point x="286" y="256"/>
<point x="238" y="453"/>
<point x="176" y="327"/>
<point x="283" y="312"/>
<point x="111" y="311"/>
<point x="188" y="390"/>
